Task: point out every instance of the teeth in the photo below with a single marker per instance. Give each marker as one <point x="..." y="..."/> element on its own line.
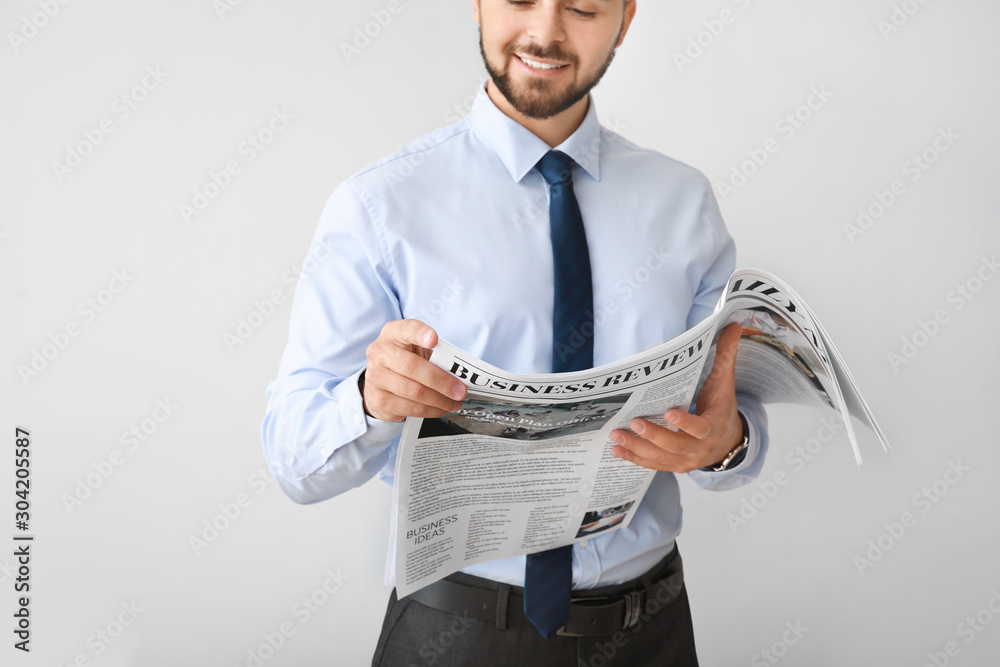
<point x="537" y="65"/>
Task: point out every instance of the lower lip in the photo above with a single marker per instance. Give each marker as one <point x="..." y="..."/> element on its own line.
<point x="546" y="73"/>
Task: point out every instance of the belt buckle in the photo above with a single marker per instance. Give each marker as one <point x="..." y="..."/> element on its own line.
<point x="633" y="608"/>
<point x="563" y="632"/>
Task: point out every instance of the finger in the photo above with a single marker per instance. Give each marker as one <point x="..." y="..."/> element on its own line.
<point x="694" y="425"/>
<point x="414" y="367"/>
<point x="387" y="381"/>
<point x="410" y="332"/>
<point x="725" y="352"/>
<point x="720" y="386"/>
<point x="676" y="442"/>
<point x="664" y="461"/>
<point x="643" y="447"/>
<point x="389" y="407"/>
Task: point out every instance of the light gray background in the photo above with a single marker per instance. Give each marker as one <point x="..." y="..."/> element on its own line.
<point x="162" y="337"/>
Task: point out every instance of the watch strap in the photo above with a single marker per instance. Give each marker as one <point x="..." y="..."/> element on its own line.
<point x="738" y="454"/>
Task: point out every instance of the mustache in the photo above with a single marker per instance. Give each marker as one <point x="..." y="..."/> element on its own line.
<point x="553" y="52"/>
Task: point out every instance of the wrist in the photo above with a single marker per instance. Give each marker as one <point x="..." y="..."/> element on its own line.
<point x="361" y="388"/>
<point x="738" y="453"/>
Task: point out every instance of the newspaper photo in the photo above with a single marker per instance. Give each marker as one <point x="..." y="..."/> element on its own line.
<point x="525" y="465"/>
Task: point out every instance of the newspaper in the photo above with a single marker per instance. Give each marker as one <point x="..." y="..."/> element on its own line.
<point x="525" y="465"/>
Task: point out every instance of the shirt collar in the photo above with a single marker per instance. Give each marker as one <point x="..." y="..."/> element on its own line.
<point x="520" y="150"/>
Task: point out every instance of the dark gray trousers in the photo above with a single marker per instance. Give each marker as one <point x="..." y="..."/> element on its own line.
<point x="414" y="635"/>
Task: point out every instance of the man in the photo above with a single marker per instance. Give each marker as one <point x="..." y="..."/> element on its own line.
<point x="454" y="236"/>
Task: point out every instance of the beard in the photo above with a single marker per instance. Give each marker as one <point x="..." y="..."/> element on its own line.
<point x="538" y="98"/>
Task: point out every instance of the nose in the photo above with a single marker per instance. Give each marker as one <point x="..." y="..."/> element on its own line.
<point x="545" y="25"/>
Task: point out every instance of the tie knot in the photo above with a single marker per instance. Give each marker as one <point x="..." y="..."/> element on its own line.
<point x="556" y="167"/>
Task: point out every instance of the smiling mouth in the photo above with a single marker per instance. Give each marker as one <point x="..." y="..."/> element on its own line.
<point x="538" y="65"/>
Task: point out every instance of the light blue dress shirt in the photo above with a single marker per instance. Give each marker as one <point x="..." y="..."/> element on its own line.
<point x="453" y="230"/>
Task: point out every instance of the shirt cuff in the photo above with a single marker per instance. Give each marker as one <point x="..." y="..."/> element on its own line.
<point x="354" y="426"/>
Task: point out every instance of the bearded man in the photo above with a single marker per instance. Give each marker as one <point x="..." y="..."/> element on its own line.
<point x="533" y="219"/>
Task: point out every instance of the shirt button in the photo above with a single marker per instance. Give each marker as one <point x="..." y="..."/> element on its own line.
<point x="357" y="418"/>
<point x="584" y="543"/>
<point x="325" y="452"/>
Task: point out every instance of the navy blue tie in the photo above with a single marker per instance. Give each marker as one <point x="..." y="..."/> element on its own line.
<point x="548" y="575"/>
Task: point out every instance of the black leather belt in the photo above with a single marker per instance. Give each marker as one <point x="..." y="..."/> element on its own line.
<point x="592" y="613"/>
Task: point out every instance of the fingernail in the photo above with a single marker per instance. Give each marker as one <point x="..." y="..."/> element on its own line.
<point x="458" y="406"/>
<point x="458" y="392"/>
<point x="427" y="338"/>
<point x="618" y="438"/>
<point x="672" y="417"/>
<point x="638" y="426"/>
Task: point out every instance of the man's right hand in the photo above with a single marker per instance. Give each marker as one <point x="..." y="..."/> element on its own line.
<point x="400" y="382"/>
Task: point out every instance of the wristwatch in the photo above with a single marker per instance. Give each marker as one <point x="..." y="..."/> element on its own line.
<point x="735" y="457"/>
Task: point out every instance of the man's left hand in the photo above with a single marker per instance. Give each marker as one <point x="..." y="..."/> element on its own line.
<point x="704" y="438"/>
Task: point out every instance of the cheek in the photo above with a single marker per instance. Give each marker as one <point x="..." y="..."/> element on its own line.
<point x="499" y="31"/>
<point x="595" y="43"/>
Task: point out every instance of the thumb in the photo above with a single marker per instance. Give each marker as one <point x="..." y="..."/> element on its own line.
<point x="725" y="350"/>
<point x="722" y="379"/>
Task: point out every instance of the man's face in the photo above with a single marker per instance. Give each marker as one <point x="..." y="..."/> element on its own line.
<point x="544" y="56"/>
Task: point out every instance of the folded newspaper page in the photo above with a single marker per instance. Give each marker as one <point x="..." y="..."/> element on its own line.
<point x="525" y="465"/>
